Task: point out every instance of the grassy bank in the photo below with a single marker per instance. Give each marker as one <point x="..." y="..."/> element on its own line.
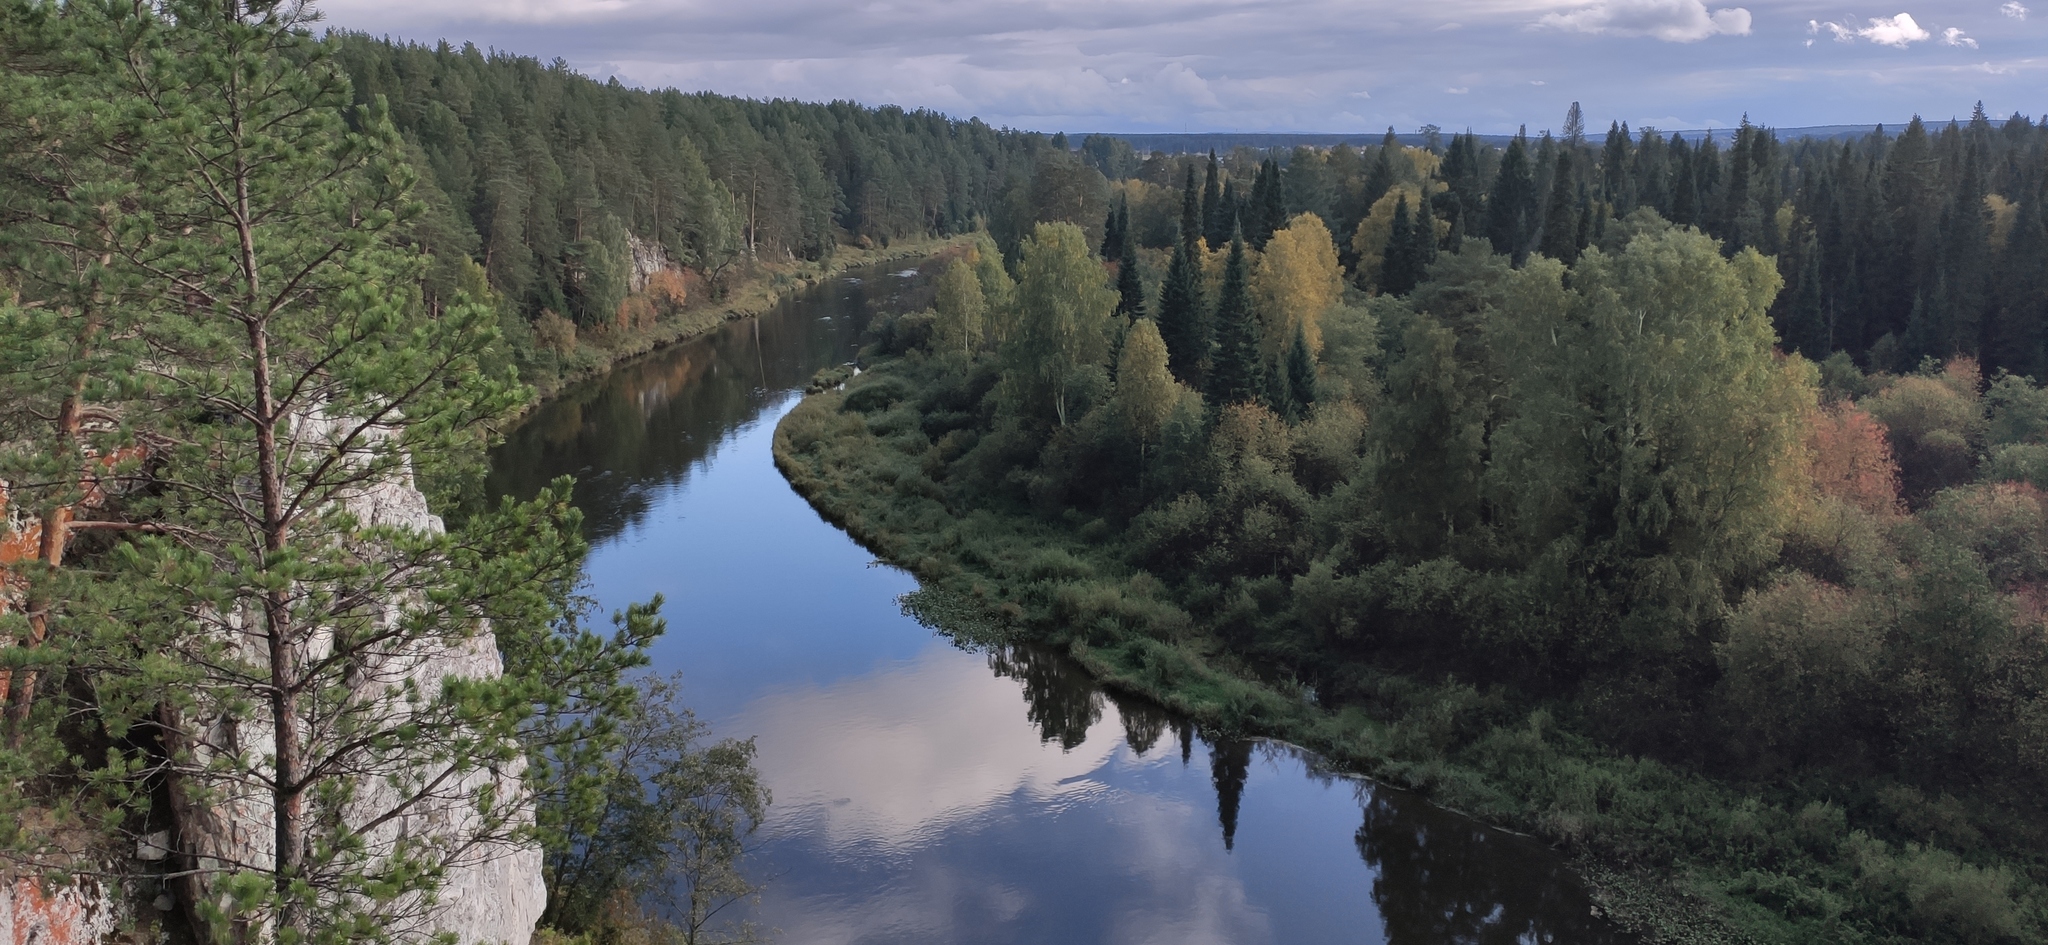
<point x="1679" y="856"/>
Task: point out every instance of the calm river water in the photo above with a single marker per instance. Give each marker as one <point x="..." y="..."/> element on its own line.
<point x="928" y="794"/>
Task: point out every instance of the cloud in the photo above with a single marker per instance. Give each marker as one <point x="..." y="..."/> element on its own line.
<point x="1673" y="21"/>
<point x="1896" y="31"/>
<point x="1233" y="64"/>
<point x="1955" y="37"/>
<point x="1456" y="91"/>
<point x="2014" y="9"/>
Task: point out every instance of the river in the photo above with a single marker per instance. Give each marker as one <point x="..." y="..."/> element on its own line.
<point x="924" y="793"/>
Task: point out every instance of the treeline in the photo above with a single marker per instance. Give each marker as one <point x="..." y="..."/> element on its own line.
<point x="1591" y="492"/>
<point x="1894" y="247"/>
<point x="592" y="208"/>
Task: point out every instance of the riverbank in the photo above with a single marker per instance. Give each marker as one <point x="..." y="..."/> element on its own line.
<point x="1671" y="854"/>
<point x="766" y="285"/>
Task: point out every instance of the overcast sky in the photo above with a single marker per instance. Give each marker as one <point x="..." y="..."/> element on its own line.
<point x="1288" y="65"/>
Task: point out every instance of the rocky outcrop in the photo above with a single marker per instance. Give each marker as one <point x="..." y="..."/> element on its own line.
<point x="32" y="913"/>
<point x="492" y="890"/>
<point x="648" y="259"/>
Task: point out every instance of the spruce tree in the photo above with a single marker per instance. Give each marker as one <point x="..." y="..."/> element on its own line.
<point x="1183" y="320"/>
<point x="1381" y="179"/>
<point x="1511" y="211"/>
<point x="1590" y="222"/>
<point x="1397" y="264"/>
<point x="1615" y="171"/>
<point x="1425" y="237"/>
<point x="1255" y="229"/>
<point x="1685" y="189"/>
<point x="1214" y="226"/>
<point x="2019" y="321"/>
<point x="1238" y="375"/>
<point x="1301" y="372"/>
<point x="1273" y="210"/>
<point x="1560" y="219"/>
<point x="1112" y="241"/>
<point x="1129" y="287"/>
<point x="1231" y="211"/>
<point x="1190" y="211"/>
<point x="1805" y="327"/>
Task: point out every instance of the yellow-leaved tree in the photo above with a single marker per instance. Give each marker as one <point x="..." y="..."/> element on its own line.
<point x="1369" y="241"/>
<point x="960" y="306"/>
<point x="1146" y="392"/>
<point x="1297" y="280"/>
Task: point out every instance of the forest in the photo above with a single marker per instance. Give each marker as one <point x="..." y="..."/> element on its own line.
<point x="588" y="211"/>
<point x="1678" y="502"/>
<point x="272" y="668"/>
<point x="1681" y="504"/>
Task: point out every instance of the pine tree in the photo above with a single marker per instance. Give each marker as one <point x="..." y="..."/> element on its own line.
<point x="1183" y="319"/>
<point x="263" y="635"/>
<point x="1238" y="375"/>
<point x="1574" y="127"/>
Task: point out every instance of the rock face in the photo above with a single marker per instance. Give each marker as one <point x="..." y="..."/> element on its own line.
<point x="72" y="915"/>
<point x="492" y="891"/>
<point x="648" y="259"/>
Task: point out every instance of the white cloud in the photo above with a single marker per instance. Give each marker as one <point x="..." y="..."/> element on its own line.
<point x="1897" y="31"/>
<point x="1674" y="21"/>
<point x="1955" y="37"/>
<point x="1457" y="91"/>
<point x="2014" y="9"/>
<point x="1538" y="82"/>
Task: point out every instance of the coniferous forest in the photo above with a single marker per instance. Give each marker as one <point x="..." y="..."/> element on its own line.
<point x="1676" y="500"/>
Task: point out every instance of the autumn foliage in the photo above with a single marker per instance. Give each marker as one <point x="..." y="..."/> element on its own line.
<point x="1852" y="459"/>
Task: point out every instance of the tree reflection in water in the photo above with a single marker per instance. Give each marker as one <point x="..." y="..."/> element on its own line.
<point x="1230" y="764"/>
<point x="1059" y="696"/>
<point x="1439" y="878"/>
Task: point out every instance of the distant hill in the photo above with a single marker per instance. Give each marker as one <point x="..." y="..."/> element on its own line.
<point x="1220" y="142"/>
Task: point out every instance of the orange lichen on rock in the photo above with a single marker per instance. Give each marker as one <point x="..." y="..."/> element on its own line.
<point x="69" y="915"/>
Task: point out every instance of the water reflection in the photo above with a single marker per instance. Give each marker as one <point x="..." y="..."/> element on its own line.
<point x="916" y="799"/>
<point x="644" y="426"/>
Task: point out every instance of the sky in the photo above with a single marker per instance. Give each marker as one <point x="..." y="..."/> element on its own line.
<point x="1288" y="65"/>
